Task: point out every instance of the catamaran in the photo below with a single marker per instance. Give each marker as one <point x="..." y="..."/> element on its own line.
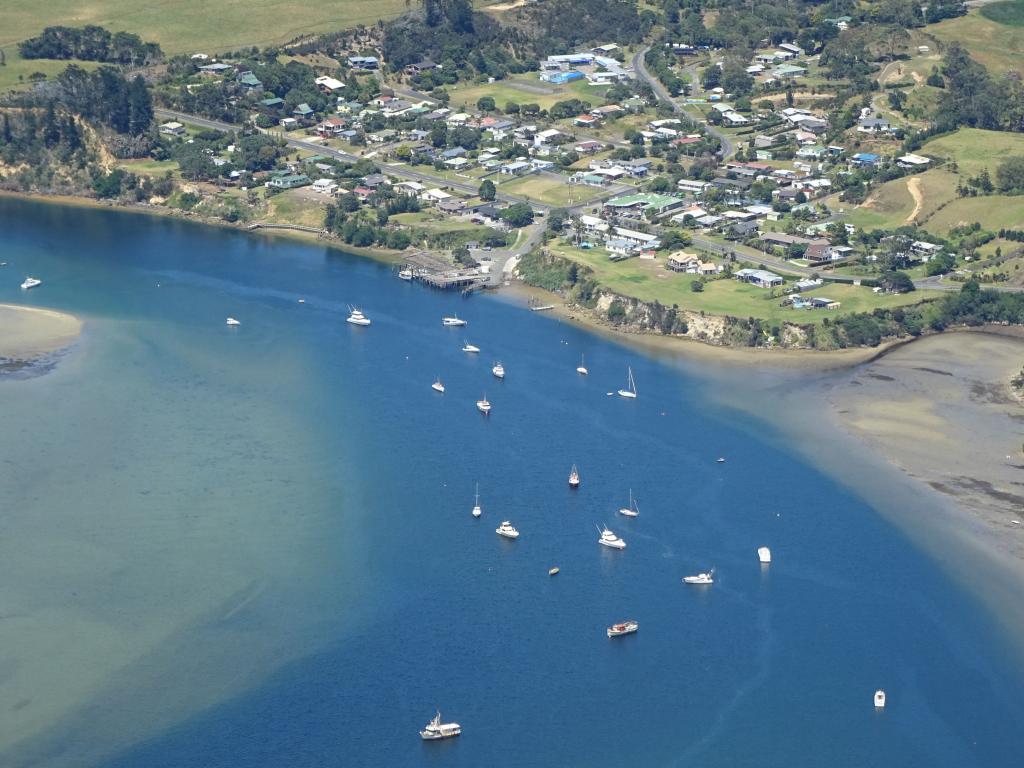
<point x="574" y="477"/>
<point x="31" y="282"/>
<point x="506" y="530"/>
<point x="357" y="317"/>
<point x="609" y="539"/>
<point x="454" y="321"/>
<point x="476" y="504"/>
<point x="435" y="729"/>
<point x="701" y="578"/>
<point x="498" y="370"/>
<point x="581" y="369"/>
<point x="484" y="405"/>
<point x="437" y="386"/>
<point x="623" y="628"/>
<point x="632" y="510"/>
<point x="630" y="390"/>
<point x="467" y="347"/>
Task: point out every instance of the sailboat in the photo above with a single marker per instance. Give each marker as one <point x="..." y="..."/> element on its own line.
<point x="437" y="386"/>
<point x="476" y="504"/>
<point x="574" y="477"/>
<point x="498" y="370"/>
<point x="630" y="390"/>
<point x="632" y="510"/>
<point x="467" y="347"/>
<point x="581" y="369"/>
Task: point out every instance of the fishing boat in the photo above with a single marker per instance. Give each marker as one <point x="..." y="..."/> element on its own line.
<point x="498" y="370"/>
<point x="476" y="503"/>
<point x="581" y="369"/>
<point x="879" y="699"/>
<point x="574" y="477"/>
<point x="453" y="322"/>
<point x="435" y="729"/>
<point x="437" y="386"/>
<point x="506" y="530"/>
<point x="467" y="347"/>
<point x="232" y="321"/>
<point x="609" y="539"/>
<point x="630" y="390"/>
<point x="764" y="554"/>
<point x="632" y="510"/>
<point x="553" y="571"/>
<point x="623" y="628"/>
<point x="701" y="578"/>
<point x="405" y="274"/>
<point x="484" y="405"/>
<point x="356" y="317"/>
<point x="31" y="282"/>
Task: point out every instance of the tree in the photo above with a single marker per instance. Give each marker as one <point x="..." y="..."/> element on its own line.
<point x="659" y="184"/>
<point x="487" y="190"/>
<point x="1010" y="175"/>
<point x="517" y="215"/>
<point x="697" y="286"/>
<point x="485" y="104"/>
<point x="897" y="282"/>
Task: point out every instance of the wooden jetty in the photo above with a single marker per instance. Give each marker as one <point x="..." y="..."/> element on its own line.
<point x="430" y="270"/>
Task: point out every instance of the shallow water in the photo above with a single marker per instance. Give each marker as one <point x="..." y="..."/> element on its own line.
<point x="253" y="546"/>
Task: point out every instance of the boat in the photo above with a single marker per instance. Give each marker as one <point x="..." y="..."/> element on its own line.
<point x="630" y="390"/>
<point x="453" y="322"/>
<point x="357" y="317"/>
<point x="581" y="369"/>
<point x="553" y="571"/>
<point x="506" y="530"/>
<point x="232" y="321"/>
<point x="405" y="274"/>
<point x="437" y="386"/>
<point x="574" y="477"/>
<point x="764" y="554"/>
<point x="498" y="370"/>
<point x="632" y="510"/>
<point x="721" y="460"/>
<point x="476" y="504"/>
<point x="302" y="301"/>
<point x="701" y="578"/>
<point x="609" y="539"/>
<point x="467" y="347"/>
<point x="484" y="406"/>
<point x="879" y="699"/>
<point x="437" y="730"/>
<point x="623" y="628"/>
<point x="31" y="282"/>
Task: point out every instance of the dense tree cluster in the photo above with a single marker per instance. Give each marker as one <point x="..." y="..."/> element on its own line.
<point x="90" y="43"/>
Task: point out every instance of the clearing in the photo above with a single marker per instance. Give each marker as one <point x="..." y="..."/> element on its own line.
<point x="1000" y="47"/>
<point x="526" y="89"/>
<point x="546" y="188"/>
<point x="896" y="202"/>
<point x="974" y="149"/>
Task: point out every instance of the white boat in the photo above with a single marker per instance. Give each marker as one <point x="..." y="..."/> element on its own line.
<point x="581" y="369"/>
<point x="302" y="301"/>
<point x="506" y="530"/>
<point x="232" y="321"/>
<point x="437" y="730"/>
<point x="721" y="460"/>
<point x="609" y="539"/>
<point x="357" y="317"/>
<point x="701" y="578"/>
<point x="764" y="554"/>
<point x="476" y="504"/>
<point x="405" y="274"/>
<point x="454" y="321"/>
<point x="574" y="477"/>
<point x="632" y="510"/>
<point x="630" y="390"/>
<point x="498" y="370"/>
<point x="623" y="628"/>
<point x="553" y="571"/>
<point x="879" y="699"/>
<point x="437" y="386"/>
<point x="31" y="282"/>
<point x="484" y="406"/>
<point x="467" y="347"/>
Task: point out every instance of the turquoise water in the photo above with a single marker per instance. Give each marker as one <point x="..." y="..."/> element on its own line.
<point x="253" y="546"/>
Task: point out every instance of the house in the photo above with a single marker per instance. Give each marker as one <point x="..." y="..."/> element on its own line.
<point x="734" y="118"/>
<point x="290" y="181"/>
<point x="586" y="121"/>
<point x="643" y="203"/>
<point x="617" y="246"/>
<point x="609" y="110"/>
<point x="822" y="303"/>
<point x="453" y="205"/>
<point x="637" y="168"/>
<point x="435" y="195"/>
<point x="592" y="224"/>
<point x="641" y="240"/>
<point x="588" y="147"/>
<point x="289" y="123"/>
<point x="172" y="129"/>
<point x="912" y="161"/>
<point x="760" y="277"/>
<point x="272" y="103"/>
<point x="217" y="68"/>
<point x="374" y="180"/>
<point x="796" y="50"/>
<point x="249" y="82"/>
<point x="743" y="228"/>
<point x="325" y="186"/>
<point x="420" y="67"/>
<point x="488" y="214"/>
<point x="784" y="240"/>
<point x="410" y="188"/>
<point x="332" y="126"/>
<point x="691" y="186"/>
<point x="457" y="163"/>
<point x="589" y="179"/>
<point x="865" y="159"/>
<point x="329" y="84"/>
<point x="541" y="165"/>
<point x="363" y="62"/>
<point x="789" y="71"/>
<point x="692" y="264"/>
<point x="635" y="104"/>
<point x="559" y="78"/>
<point x="303" y="111"/>
<point x="516" y="168"/>
<point x="873" y="125"/>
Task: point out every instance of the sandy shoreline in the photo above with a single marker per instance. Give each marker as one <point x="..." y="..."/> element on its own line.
<point x="30" y="333"/>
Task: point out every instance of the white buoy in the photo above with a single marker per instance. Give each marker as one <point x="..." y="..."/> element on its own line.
<point x="764" y="554"/>
<point x="879" y="699"/>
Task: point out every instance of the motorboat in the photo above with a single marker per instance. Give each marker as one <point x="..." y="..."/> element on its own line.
<point x="356" y="317"/>
<point x="31" y="282"/>
<point x="437" y="386"/>
<point x="506" y="530"/>
<point x="721" y="460"/>
<point x="498" y="370"/>
<point x="630" y="390"/>
<point x="476" y="503"/>
<point x="581" y="369"/>
<point x="764" y="554"/>
<point x="609" y="539"/>
<point x="553" y="571"/>
<point x="453" y="322"/>
<point x="623" y="628"/>
<point x="701" y="578"/>
<point x="405" y="274"/>
<point x="467" y="347"/>
<point x="632" y="510"/>
<point x="879" y="699"/>
<point x="484" y="406"/>
<point x="232" y="321"/>
<point x="574" y="477"/>
<point x="435" y="729"/>
<point x="302" y="301"/>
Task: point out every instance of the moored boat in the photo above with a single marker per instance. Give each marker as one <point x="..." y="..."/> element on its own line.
<point x="484" y="405"/>
<point x="476" y="503"/>
<point x="435" y="729"/>
<point x="507" y="530"/>
<point x="609" y="539"/>
<point x="630" y="390"/>
<point x="623" y="628"/>
<point x="574" y="477"/>
<point x="405" y="274"/>
<point x="437" y="386"/>
<point x="879" y="699"/>
<point x="356" y="317"/>
<point x="31" y="282"/>
<point x="764" y="554"/>
<point x="498" y="370"/>
<point x="453" y="322"/>
<point x="231" y="321"/>
<point x="581" y="369"/>
<point x="553" y="571"/>
<point x="632" y="510"/>
<point x="701" y="578"/>
<point x="467" y="347"/>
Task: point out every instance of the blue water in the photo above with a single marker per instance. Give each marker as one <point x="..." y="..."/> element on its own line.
<point x="309" y="465"/>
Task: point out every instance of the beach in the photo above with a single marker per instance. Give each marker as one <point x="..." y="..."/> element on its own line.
<point x="29" y="333"/>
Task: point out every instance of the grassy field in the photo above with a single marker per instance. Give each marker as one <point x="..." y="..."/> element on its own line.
<point x="15" y="74"/>
<point x="546" y="189"/>
<point x="1010" y="12"/>
<point x="974" y="148"/>
<point x="192" y="25"/>
<point x="892" y="204"/>
<point x="530" y="90"/>
<point x="295" y="206"/>
<point x="1000" y="47"/>
<point x="993" y="212"/>
<point x="649" y="281"/>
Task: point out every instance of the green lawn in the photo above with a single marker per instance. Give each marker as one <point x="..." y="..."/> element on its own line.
<point x="994" y="212"/>
<point x="15" y="73"/>
<point x="974" y="149"/>
<point x="892" y="204"/>
<point x="194" y="25"/>
<point x="295" y="207"/>
<point x="504" y="91"/>
<point x="545" y="189"/>
<point x="1000" y="47"/>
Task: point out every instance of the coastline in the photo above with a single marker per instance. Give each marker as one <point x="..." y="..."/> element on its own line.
<point x="29" y="334"/>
